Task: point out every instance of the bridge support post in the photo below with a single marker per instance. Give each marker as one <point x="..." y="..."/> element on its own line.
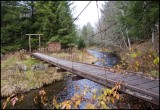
<point x="40" y="43"/>
<point x="75" y="78"/>
<point x="29" y="44"/>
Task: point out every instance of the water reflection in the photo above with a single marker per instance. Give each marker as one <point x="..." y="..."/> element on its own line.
<point x="110" y="59"/>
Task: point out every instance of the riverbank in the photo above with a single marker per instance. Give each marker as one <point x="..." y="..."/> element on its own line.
<point x="67" y="88"/>
<point x="14" y="81"/>
<point x="141" y="58"/>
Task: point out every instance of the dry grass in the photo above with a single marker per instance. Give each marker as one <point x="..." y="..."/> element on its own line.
<point x="77" y="55"/>
<point x="23" y="83"/>
<point x="12" y="81"/>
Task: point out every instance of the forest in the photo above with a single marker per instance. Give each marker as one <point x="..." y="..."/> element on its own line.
<point x="54" y="20"/>
<point x="127" y="29"/>
<point x="135" y="21"/>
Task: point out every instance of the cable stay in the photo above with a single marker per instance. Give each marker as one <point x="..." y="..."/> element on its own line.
<point x="80" y="13"/>
<point x="103" y="60"/>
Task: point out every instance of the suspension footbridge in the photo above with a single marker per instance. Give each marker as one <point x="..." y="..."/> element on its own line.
<point x="133" y="84"/>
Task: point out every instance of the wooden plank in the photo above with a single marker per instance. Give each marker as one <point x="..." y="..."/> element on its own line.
<point x="34" y="34"/>
<point x="122" y="76"/>
<point x="111" y="76"/>
<point x="148" y="84"/>
<point x="138" y="81"/>
<point x="95" y="71"/>
<point x="129" y="78"/>
<point x="100" y="73"/>
<point x="155" y="90"/>
<point x="86" y="66"/>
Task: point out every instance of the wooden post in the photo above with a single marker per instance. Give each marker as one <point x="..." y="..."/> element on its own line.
<point x="30" y="41"/>
<point x="29" y="44"/>
<point x="39" y="42"/>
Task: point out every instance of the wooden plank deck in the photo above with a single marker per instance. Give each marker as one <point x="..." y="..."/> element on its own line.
<point x="133" y="84"/>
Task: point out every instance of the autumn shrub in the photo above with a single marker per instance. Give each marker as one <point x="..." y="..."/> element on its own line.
<point x="100" y="98"/>
<point x="141" y="61"/>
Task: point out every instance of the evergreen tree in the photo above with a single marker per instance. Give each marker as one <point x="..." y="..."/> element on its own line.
<point x="52" y="18"/>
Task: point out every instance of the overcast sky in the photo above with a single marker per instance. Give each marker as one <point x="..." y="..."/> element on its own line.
<point x="89" y="14"/>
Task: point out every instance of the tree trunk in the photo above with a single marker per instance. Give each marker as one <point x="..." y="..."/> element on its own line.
<point x="124" y="40"/>
<point x="153" y="37"/>
<point x="129" y="42"/>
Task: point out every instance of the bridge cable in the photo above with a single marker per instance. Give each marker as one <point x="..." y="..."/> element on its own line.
<point x="73" y="22"/>
<point x="101" y="38"/>
<point x="80" y="14"/>
<point x="57" y="57"/>
<point x="106" y="29"/>
<point x="72" y="58"/>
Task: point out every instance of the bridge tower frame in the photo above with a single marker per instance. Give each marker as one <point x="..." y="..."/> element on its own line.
<point x="39" y="35"/>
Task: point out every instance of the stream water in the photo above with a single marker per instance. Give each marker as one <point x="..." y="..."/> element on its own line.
<point x="57" y="87"/>
<point x="110" y="59"/>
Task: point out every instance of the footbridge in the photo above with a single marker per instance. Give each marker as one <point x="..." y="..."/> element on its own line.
<point x="133" y="84"/>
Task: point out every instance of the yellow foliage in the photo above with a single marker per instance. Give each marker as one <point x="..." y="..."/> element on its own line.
<point x="90" y="106"/>
<point x="113" y="89"/>
<point x="77" y="102"/>
<point x="84" y="93"/>
<point x="156" y="61"/>
<point x="137" y="63"/>
<point x="94" y="91"/>
<point x="117" y="96"/>
<point x="66" y="104"/>
<point x="114" y="94"/>
<point x="54" y="102"/>
<point x="8" y="99"/>
<point x="112" y="99"/>
<point x="134" y="55"/>
<point x="104" y="99"/>
<point x="94" y="97"/>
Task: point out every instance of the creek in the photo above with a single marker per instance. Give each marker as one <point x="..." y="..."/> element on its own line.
<point x="56" y="88"/>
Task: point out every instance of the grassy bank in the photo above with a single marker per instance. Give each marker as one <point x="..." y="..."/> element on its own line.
<point x="13" y="81"/>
